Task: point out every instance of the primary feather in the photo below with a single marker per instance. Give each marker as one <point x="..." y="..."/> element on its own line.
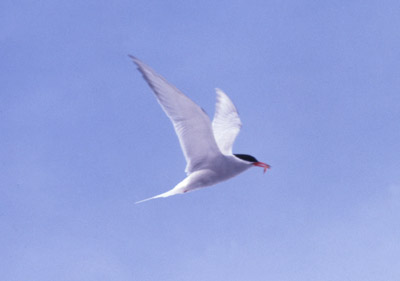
<point x="226" y="123"/>
<point x="192" y="125"/>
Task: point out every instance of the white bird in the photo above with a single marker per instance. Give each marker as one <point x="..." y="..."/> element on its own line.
<point x="207" y="146"/>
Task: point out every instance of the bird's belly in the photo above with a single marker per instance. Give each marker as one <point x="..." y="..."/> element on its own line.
<point x="206" y="177"/>
<point x="202" y="178"/>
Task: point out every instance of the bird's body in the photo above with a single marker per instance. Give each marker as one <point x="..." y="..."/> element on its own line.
<point x="223" y="168"/>
<point x="207" y="146"/>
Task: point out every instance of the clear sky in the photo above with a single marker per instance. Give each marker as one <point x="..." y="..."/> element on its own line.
<point x="82" y="138"/>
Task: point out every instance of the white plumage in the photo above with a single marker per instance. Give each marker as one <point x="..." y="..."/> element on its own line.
<point x="207" y="146"/>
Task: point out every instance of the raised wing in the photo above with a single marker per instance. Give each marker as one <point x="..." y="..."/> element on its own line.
<point x="226" y="124"/>
<point x="191" y="123"/>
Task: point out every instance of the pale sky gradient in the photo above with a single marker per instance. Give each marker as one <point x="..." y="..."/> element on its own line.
<point x="82" y="138"/>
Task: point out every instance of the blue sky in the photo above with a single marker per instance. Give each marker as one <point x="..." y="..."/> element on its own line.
<point x="82" y="138"/>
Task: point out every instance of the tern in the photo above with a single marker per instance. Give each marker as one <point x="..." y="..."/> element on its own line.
<point x="207" y="146"/>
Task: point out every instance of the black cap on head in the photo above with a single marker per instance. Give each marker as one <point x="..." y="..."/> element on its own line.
<point x="246" y="157"/>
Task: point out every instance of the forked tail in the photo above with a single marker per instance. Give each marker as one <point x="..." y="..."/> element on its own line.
<point x="162" y="195"/>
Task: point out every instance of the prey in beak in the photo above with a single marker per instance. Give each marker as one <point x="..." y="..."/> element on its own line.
<point x="262" y="165"/>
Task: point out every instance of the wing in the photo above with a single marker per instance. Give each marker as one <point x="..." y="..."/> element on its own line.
<point x="226" y="124"/>
<point x="191" y="123"/>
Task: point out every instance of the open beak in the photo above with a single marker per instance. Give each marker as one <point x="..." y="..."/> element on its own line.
<point x="262" y="165"/>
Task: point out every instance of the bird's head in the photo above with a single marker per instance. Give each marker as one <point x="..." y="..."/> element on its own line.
<point x="253" y="161"/>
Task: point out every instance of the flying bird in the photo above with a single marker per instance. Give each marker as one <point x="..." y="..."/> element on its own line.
<point x="206" y="145"/>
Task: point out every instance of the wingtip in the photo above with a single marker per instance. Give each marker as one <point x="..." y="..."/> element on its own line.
<point x="134" y="59"/>
<point x="220" y="92"/>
